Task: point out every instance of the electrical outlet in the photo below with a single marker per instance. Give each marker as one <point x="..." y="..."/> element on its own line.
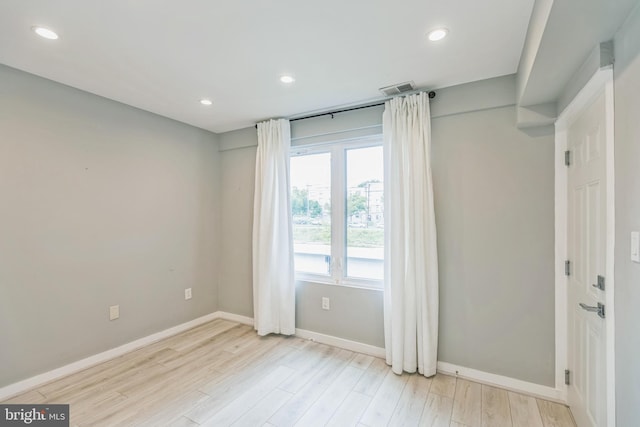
<point x="114" y="312"/>
<point x="187" y="293"/>
<point x="635" y="246"/>
<point x="326" y="304"/>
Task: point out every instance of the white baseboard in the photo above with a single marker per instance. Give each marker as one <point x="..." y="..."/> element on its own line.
<point x="537" y="390"/>
<point x="38" y="380"/>
<point x="314" y="336"/>
<point x="233" y="317"/>
<point x="341" y="343"/>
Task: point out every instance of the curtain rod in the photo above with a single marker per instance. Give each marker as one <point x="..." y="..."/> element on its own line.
<point x="431" y="94"/>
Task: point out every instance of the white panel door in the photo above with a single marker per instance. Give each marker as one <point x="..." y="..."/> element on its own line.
<point x="587" y="210"/>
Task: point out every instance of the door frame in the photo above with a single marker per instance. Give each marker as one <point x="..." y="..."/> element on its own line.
<point x="601" y="81"/>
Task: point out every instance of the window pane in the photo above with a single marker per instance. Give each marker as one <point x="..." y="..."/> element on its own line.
<point x="311" y="211"/>
<point x="365" y="213"/>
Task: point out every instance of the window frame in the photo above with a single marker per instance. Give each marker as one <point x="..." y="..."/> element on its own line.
<point x="339" y="192"/>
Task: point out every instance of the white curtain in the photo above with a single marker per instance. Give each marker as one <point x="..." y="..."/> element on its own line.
<point x="411" y="273"/>
<point x="273" y="274"/>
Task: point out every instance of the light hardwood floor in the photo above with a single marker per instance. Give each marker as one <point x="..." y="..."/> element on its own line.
<point x="221" y="373"/>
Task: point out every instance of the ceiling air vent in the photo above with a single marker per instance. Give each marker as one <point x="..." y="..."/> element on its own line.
<point x="398" y="88"/>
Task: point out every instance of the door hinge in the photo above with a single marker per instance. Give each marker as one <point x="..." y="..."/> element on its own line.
<point x="567" y="376"/>
<point x="567" y="268"/>
<point x="600" y="284"/>
<point x="567" y="158"/>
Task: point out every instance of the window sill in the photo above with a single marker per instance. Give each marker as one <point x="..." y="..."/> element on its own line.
<point x="344" y="283"/>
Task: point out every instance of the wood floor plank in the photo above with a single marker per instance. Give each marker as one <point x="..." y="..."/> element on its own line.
<point x="229" y="385"/>
<point x="242" y="345"/>
<point x="259" y="347"/>
<point x="170" y="391"/>
<point x="554" y="414"/>
<point x="113" y="415"/>
<point x="252" y="366"/>
<point x="295" y="408"/>
<point x="76" y="380"/>
<point x="101" y="385"/>
<point x="259" y="414"/>
<point x="362" y="361"/>
<point x="384" y="402"/>
<point x="94" y="408"/>
<point x="325" y="406"/>
<point x="136" y="366"/>
<point x="411" y="404"/>
<point x="350" y="411"/>
<point x="372" y="378"/>
<point x="180" y="422"/>
<point x="467" y="403"/>
<point x="443" y="385"/>
<point x="301" y="358"/>
<point x="295" y="342"/>
<point x="171" y="411"/>
<point x="156" y="392"/>
<point x="495" y="407"/>
<point x="32" y="396"/>
<point x="437" y="411"/>
<point x="269" y="352"/>
<point x="307" y="367"/>
<point x="196" y="335"/>
<point x="100" y="376"/>
<point x="211" y="347"/>
<point x="234" y="410"/>
<point x="524" y="410"/>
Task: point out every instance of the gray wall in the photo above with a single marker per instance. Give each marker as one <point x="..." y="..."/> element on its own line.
<point x="235" y="293"/>
<point x="494" y="212"/>
<point x="100" y="204"/>
<point x="493" y="190"/>
<point x="356" y="314"/>
<point x="627" y="273"/>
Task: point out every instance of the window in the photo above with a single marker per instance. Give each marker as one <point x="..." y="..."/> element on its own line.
<point x="337" y="205"/>
<point x="311" y="211"/>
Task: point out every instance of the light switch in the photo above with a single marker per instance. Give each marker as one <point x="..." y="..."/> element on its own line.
<point x="635" y="246"/>
<point x="114" y="312"/>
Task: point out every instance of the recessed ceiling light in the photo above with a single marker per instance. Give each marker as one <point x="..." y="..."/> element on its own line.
<point x="287" y="79"/>
<point x="206" y="102"/>
<point x="438" y="34"/>
<point x="45" y="33"/>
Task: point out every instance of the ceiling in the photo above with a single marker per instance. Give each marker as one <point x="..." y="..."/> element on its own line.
<point x="164" y="56"/>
